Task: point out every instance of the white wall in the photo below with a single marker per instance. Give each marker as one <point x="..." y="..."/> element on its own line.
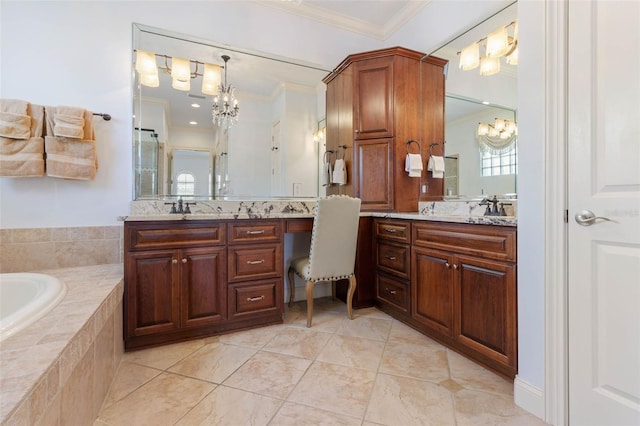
<point x="84" y="49"/>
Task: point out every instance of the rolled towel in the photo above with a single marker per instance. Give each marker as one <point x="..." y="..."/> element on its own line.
<point x="37" y="120"/>
<point x="15" y="126"/>
<point x="339" y="172"/>
<point x="71" y="159"/>
<point x="436" y="166"/>
<point x="21" y="158"/>
<point x="413" y="165"/>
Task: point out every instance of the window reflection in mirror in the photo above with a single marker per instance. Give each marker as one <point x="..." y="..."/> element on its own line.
<point x="466" y="93"/>
<point x="266" y="154"/>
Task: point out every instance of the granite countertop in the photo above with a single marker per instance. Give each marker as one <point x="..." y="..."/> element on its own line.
<point x="445" y="211"/>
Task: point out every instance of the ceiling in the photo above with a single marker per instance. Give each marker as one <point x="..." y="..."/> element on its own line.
<point x="378" y="19"/>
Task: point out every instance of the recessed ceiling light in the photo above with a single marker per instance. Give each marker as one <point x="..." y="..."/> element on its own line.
<point x="195" y="105"/>
<point x="193" y="123"/>
<point x="486" y="103"/>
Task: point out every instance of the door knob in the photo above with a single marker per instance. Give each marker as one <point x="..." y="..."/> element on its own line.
<point x="588" y="218"/>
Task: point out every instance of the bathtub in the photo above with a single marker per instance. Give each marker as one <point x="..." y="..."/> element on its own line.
<point x="25" y="298"/>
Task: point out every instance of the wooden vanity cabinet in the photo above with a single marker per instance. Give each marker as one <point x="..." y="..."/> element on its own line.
<point x="175" y="278"/>
<point x="255" y="270"/>
<point x="392" y="256"/>
<point x="464" y="289"/>
<point x="374" y="106"/>
<point x="186" y="279"/>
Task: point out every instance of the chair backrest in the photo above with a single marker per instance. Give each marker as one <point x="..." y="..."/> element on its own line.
<point x="334" y="238"/>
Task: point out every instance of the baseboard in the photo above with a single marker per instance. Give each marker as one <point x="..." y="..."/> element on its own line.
<point x="528" y="397"/>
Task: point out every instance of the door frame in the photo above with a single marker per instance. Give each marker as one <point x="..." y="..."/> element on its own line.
<point x="556" y="280"/>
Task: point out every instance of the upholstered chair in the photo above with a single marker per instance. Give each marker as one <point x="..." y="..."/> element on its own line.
<point x="333" y="249"/>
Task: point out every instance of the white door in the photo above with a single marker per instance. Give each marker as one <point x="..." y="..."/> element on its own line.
<point x="604" y="178"/>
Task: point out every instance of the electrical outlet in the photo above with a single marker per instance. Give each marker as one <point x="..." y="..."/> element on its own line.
<point x="297" y="188"/>
<point x="424" y="189"/>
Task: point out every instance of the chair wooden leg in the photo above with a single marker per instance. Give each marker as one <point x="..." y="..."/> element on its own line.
<point x="309" y="302"/>
<point x="352" y="289"/>
<point x="292" y="286"/>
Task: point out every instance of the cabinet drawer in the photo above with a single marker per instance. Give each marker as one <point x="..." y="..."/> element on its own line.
<point x="261" y="231"/>
<point x="252" y="298"/>
<point x="393" y="230"/>
<point x="393" y="258"/>
<point x="487" y="241"/>
<point x="173" y="234"/>
<point x="255" y="261"/>
<point x="393" y="292"/>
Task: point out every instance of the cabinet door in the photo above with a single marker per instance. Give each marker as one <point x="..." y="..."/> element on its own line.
<point x="203" y="286"/>
<point x="374" y="98"/>
<point x="485" y="293"/>
<point x="152" y="293"/>
<point x="432" y="289"/>
<point x="373" y="174"/>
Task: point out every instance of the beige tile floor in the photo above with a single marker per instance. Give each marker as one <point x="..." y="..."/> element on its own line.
<point x="373" y="370"/>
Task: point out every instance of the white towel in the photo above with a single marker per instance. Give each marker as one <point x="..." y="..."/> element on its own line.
<point x="413" y="165"/>
<point x="339" y="172"/>
<point x="436" y="166"/>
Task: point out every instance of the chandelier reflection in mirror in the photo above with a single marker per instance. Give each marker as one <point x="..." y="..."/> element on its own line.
<point x="225" y="105"/>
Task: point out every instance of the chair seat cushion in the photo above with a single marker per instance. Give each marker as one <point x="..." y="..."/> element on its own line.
<point x="301" y="266"/>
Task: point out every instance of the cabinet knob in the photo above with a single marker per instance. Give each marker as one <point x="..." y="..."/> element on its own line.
<point x="184" y="260"/>
<point x="255" y="262"/>
<point x="389" y="291"/>
<point x="390" y="230"/>
<point x="174" y="261"/>
<point x="447" y="264"/>
<point x="255" y="232"/>
<point x="391" y="257"/>
<point x="255" y="299"/>
<point x="455" y="266"/>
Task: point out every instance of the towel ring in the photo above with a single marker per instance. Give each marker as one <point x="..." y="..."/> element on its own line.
<point x="435" y="144"/>
<point x="344" y="152"/>
<point x="409" y="142"/>
<point x="324" y="157"/>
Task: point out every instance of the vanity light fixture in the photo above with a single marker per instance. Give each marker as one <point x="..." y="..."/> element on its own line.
<point x="180" y="71"/>
<point x="321" y="133"/>
<point x="496" y="45"/>
<point x="225" y="105"/>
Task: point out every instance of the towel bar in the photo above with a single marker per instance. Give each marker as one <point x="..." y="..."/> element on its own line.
<point x="105" y="117"/>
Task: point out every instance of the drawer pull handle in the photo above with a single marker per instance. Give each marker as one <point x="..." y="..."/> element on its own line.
<point x="255" y="232"/>
<point x="184" y="260"/>
<point x="174" y="261"/>
<point x="255" y="299"/>
<point x="447" y="264"/>
<point x="391" y="257"/>
<point x="255" y="262"/>
<point x="390" y="291"/>
<point x="455" y="266"/>
<point x="390" y="230"/>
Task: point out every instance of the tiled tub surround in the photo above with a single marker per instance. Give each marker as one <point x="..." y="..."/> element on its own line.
<point x="59" y="369"/>
<point x="35" y="249"/>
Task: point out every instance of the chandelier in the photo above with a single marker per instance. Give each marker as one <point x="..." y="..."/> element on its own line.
<point x="497" y="44"/>
<point x="500" y="128"/>
<point x="225" y="105"/>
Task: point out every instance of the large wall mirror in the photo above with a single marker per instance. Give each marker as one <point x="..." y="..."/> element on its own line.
<point x="178" y="150"/>
<point x="480" y="156"/>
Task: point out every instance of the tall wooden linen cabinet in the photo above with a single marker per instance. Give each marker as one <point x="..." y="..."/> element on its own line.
<point x="376" y="102"/>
